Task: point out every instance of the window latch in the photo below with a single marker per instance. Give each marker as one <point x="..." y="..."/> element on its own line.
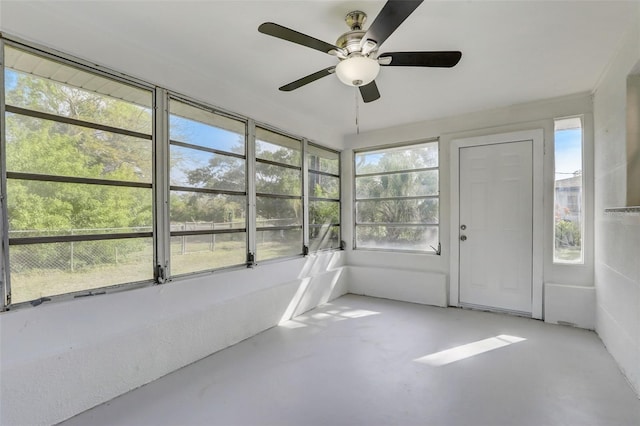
<point x="161" y="274"/>
<point x="438" y="250"/>
<point x="40" y="301"/>
<point x="251" y="260"/>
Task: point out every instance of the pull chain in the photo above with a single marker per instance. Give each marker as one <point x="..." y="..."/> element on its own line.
<point x="357" y="112"/>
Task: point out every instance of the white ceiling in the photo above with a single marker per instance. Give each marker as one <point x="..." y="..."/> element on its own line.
<point x="513" y="52"/>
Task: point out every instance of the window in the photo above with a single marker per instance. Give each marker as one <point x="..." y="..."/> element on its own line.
<point x="324" y="198"/>
<point x="208" y="189"/>
<point x="79" y="161"/>
<point x="110" y="181"/>
<point x="568" y="210"/>
<point x="278" y="179"/>
<point x="396" y="198"/>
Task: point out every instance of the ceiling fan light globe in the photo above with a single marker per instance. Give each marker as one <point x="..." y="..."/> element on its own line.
<point x="357" y="71"/>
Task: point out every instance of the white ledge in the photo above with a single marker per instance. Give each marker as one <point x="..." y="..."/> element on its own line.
<point x="631" y="210"/>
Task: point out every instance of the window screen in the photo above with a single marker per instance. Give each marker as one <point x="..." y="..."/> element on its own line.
<point x="278" y="181"/>
<point x="208" y="195"/>
<point x="396" y="198"/>
<point x="324" y="198"/>
<point x="78" y="178"/>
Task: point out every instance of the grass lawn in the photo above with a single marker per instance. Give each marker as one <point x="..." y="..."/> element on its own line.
<point x="37" y="283"/>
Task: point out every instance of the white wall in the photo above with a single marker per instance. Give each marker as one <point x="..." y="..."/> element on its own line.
<point x="63" y="358"/>
<point x="577" y="310"/>
<point x="617" y="259"/>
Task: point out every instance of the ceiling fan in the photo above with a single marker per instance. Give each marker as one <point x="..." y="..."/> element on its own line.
<point x="357" y="49"/>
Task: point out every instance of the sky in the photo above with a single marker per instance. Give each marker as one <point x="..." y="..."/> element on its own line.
<point x="568" y="152"/>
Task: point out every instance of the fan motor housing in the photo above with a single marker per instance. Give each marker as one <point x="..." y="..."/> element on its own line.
<point x="350" y="41"/>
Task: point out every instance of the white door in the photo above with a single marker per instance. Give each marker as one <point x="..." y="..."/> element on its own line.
<point x="496" y="226"/>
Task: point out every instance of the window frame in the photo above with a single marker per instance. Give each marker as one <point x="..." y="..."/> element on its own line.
<point x="310" y="199"/>
<point x="255" y="161"/>
<point x="172" y="142"/>
<point x="87" y="67"/>
<point x="582" y="199"/>
<point x="409" y="144"/>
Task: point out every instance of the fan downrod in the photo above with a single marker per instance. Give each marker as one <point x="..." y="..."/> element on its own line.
<point x="355" y="20"/>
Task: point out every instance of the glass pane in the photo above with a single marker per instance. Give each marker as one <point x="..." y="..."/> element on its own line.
<point x="40" y="84"/>
<point x="412" y="184"/>
<point x="204" y="128"/>
<point x="280" y="243"/>
<point x="195" y="253"/>
<point x="209" y="211"/>
<point x="276" y="147"/>
<point x="38" y="208"/>
<point x="322" y="186"/>
<point x="419" y="238"/>
<point x="199" y="169"/>
<point x="272" y="179"/>
<point x="322" y="160"/>
<point x="397" y="159"/>
<point x="48" y="147"/>
<point x="324" y="237"/>
<point x="568" y="215"/>
<point x="324" y="212"/>
<point x="40" y="270"/>
<point x="278" y="212"/>
<point x="398" y="211"/>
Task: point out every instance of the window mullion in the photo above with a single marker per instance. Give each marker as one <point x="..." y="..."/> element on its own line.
<point x="162" y="239"/>
<point x="305" y="196"/>
<point x="251" y="190"/>
<point x="5" y="283"/>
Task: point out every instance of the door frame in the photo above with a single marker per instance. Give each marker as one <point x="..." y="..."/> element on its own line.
<point x="537" y="138"/>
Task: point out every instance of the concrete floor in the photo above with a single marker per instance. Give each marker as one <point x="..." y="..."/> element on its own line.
<point x="366" y="361"/>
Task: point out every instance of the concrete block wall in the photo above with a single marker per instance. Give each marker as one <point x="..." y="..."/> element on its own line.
<point x="617" y="235"/>
<point x="61" y="359"/>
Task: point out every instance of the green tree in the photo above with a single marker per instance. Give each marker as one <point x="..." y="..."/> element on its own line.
<point x="394" y="185"/>
<point x="50" y="147"/>
<point x="226" y="172"/>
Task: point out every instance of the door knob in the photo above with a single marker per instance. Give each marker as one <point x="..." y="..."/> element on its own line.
<point x="463" y="238"/>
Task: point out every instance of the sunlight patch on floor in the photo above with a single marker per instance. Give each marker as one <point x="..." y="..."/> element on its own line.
<point x="321" y="318"/>
<point x="469" y="350"/>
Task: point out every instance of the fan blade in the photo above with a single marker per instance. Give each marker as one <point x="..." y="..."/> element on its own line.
<point x="393" y="14"/>
<point x="369" y="92"/>
<point x="288" y="34"/>
<point x="422" y="59"/>
<point x="308" y="79"/>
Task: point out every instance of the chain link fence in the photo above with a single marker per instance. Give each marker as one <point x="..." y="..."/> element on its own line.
<point x="81" y="255"/>
<point x="78" y="255"/>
